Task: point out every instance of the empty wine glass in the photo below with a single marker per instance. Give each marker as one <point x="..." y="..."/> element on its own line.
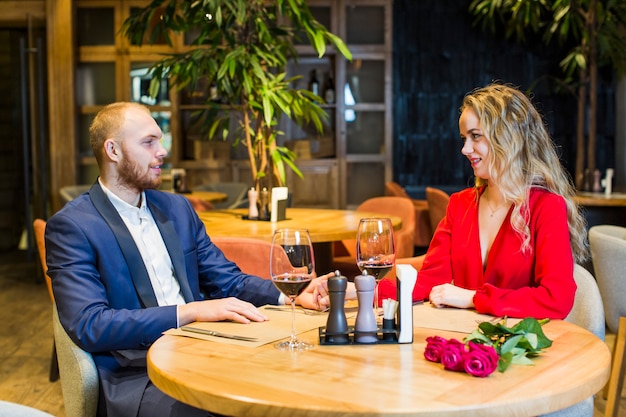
<point x="375" y="249"/>
<point x="292" y="267"/>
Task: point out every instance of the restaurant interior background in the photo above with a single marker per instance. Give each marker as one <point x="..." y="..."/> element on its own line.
<point x="438" y="56"/>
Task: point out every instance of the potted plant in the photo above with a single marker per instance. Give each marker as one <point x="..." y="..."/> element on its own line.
<point x="241" y="49"/>
<point x="597" y="31"/>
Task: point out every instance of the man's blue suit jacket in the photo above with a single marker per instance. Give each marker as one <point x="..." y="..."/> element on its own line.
<point x="103" y="291"/>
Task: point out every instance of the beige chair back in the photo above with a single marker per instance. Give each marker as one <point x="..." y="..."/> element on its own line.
<point x="79" y="375"/>
<point x="608" y="251"/>
<point x="76" y="368"/>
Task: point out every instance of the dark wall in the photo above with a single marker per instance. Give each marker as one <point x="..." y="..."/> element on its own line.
<point x="11" y="153"/>
<point x="438" y="57"/>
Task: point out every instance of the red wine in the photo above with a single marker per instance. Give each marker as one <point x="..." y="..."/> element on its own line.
<point x="378" y="270"/>
<point x="291" y="285"/>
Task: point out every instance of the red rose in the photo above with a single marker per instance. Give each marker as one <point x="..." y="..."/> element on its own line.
<point x="434" y="348"/>
<point x="452" y="355"/>
<point x="480" y="360"/>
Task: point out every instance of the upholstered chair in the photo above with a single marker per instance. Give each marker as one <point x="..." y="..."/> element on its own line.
<point x="423" y="231"/>
<point x="437" y="205"/>
<point x="608" y="252"/>
<point x="74" y="366"/>
<point x="252" y="256"/>
<point x="587" y="312"/>
<point x="404" y="237"/>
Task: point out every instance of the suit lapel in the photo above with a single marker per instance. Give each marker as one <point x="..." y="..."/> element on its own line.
<point x="138" y="271"/>
<point x="172" y="243"/>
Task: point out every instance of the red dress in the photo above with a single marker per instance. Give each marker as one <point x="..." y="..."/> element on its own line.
<point x="538" y="283"/>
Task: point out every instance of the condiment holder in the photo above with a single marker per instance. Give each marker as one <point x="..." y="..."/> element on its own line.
<point x="397" y="324"/>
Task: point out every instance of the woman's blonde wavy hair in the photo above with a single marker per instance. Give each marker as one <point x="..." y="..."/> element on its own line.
<point x="524" y="157"/>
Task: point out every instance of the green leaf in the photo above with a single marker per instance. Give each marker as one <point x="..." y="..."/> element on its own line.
<point x="521" y="360"/>
<point x="504" y="361"/>
<point x="477" y="336"/>
<point x="510" y="344"/>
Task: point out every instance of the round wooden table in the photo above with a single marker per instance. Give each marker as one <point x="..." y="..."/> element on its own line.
<point x="325" y="226"/>
<point x="383" y="380"/>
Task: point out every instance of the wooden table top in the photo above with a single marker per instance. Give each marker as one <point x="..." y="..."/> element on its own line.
<point x="601" y="199"/>
<point x="210" y="196"/>
<point x="325" y="225"/>
<point x="384" y="380"/>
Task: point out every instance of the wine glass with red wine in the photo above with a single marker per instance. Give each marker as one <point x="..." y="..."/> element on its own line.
<point x="292" y="267"/>
<point x="375" y="249"/>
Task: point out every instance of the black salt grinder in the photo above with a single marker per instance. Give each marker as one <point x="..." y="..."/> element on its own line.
<point x="337" y="324"/>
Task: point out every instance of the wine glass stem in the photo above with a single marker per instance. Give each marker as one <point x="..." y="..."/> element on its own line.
<point x="293" y="319"/>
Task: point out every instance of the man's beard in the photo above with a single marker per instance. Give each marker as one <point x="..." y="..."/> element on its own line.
<point x="132" y="176"/>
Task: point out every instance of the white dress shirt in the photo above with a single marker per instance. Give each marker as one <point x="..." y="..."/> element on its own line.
<point x="149" y="241"/>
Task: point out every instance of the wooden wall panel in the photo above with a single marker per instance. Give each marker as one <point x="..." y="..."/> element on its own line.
<point x="63" y="160"/>
<point x="16" y="13"/>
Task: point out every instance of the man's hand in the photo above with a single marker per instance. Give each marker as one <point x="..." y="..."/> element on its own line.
<point x="231" y="308"/>
<point x="452" y="296"/>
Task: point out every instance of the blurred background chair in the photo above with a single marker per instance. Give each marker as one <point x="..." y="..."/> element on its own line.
<point x="437" y="205"/>
<point x="74" y="366"/>
<point x="39" y="228"/>
<point x="423" y="231"/>
<point x="237" y="193"/>
<point x="251" y="255"/>
<point x="345" y="251"/>
<point x="70" y="192"/>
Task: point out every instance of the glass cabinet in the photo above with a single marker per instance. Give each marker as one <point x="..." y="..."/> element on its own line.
<point x="345" y="164"/>
<point x="358" y="136"/>
<point x="110" y="69"/>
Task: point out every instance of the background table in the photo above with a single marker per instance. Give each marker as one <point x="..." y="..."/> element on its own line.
<point x="602" y="209"/>
<point x="374" y="380"/>
<point x="325" y="226"/>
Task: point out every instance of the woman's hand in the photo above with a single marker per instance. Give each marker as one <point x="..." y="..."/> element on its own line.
<point x="451" y="296"/>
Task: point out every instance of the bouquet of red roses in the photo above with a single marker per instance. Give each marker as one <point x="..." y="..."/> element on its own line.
<point x="492" y="346"/>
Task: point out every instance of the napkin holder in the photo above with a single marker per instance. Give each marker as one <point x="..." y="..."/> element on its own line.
<point x="406" y="277"/>
<point x="279" y="204"/>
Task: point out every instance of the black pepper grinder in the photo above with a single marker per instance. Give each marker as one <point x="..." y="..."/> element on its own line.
<point x="337" y="324"/>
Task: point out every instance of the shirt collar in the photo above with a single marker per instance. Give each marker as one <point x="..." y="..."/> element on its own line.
<point x="122" y="207"/>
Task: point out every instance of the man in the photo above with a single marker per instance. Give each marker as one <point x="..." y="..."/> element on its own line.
<point x="128" y="262"/>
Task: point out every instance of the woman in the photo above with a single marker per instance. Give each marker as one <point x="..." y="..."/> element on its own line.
<point x="507" y="246"/>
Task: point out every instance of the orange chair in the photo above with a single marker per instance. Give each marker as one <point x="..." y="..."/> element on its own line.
<point x="437" y="205"/>
<point x="252" y="256"/>
<point x="39" y="227"/>
<point x="404" y="237"/>
<point x="423" y="231"/>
